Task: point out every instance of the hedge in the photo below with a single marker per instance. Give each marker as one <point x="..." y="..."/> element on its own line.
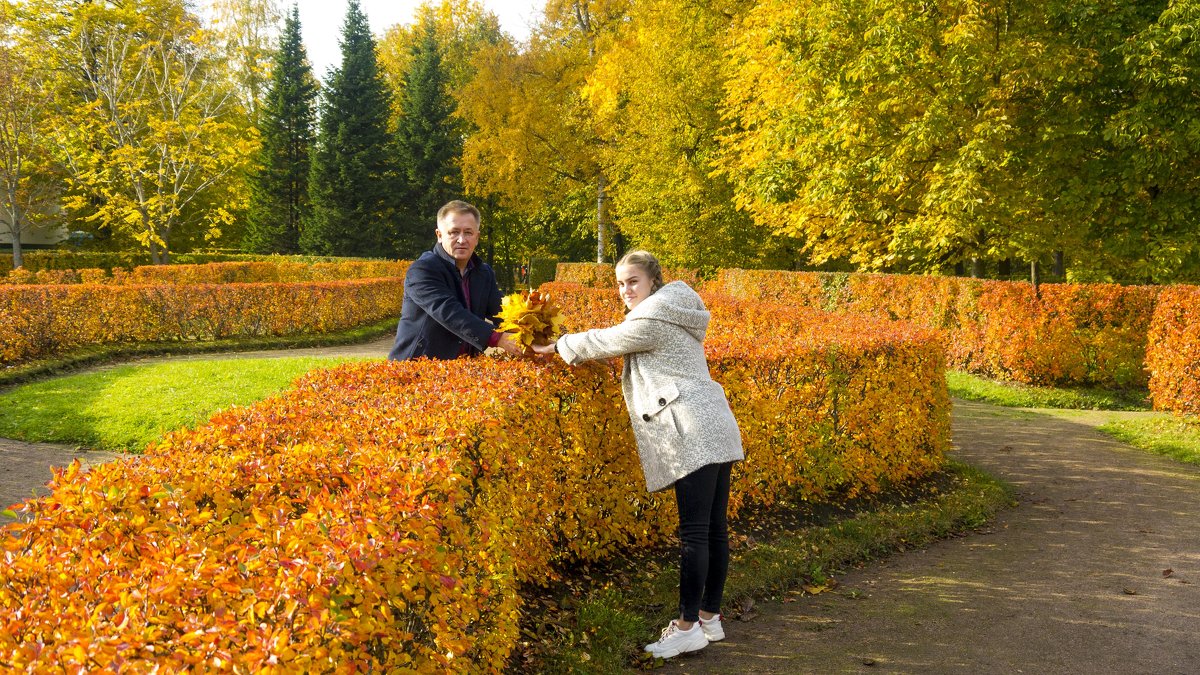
<point x="1084" y="334"/>
<point x="381" y="516"/>
<point x="1174" y="354"/>
<point x="603" y="275"/>
<point x="271" y="271"/>
<point x="34" y="261"/>
<point x="43" y="321"/>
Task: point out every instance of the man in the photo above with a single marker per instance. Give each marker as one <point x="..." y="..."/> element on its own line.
<point x="450" y="295"/>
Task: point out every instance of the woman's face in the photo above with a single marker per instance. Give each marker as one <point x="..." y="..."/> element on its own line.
<point x="633" y="284"/>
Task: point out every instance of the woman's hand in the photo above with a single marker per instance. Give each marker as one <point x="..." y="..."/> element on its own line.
<point x="545" y="350"/>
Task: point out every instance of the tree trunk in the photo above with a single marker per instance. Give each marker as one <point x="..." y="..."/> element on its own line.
<point x="959" y="270"/>
<point x="1004" y="268"/>
<point x="1035" y="278"/>
<point x="16" y="227"/>
<point x="16" y="248"/>
<point x="601" y="218"/>
<point x="977" y="268"/>
<point x="1060" y="266"/>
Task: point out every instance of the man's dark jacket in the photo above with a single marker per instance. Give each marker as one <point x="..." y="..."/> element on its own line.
<point x="434" y="319"/>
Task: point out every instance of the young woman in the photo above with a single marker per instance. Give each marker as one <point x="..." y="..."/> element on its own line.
<point x="686" y="434"/>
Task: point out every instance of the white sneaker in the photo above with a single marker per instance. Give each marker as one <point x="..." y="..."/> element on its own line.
<point x="676" y="641"/>
<point x="712" y="629"/>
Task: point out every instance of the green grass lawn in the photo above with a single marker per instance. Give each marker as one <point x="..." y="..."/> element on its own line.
<point x="126" y="407"/>
<point x="1161" y="433"/>
<point x="1010" y="394"/>
<point x="1174" y="437"/>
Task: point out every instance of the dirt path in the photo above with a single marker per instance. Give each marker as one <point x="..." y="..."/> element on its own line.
<point x="1097" y="571"/>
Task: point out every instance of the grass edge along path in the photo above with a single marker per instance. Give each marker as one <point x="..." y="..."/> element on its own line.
<point x="607" y="628"/>
<point x="92" y="356"/>
<point x="1013" y="395"/>
<point x="1162" y="433"/>
<point x="1171" y="436"/>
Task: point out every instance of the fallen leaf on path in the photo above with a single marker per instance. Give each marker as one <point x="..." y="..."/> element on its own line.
<point x="1168" y="572"/>
<point x="747" y="608"/>
<point x="1130" y="591"/>
<point x="817" y="589"/>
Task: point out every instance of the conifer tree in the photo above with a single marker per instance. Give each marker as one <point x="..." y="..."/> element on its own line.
<point x="352" y="184"/>
<point x="429" y="142"/>
<point x="279" y="186"/>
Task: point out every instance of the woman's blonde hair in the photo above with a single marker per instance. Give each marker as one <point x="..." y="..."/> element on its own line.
<point x="648" y="263"/>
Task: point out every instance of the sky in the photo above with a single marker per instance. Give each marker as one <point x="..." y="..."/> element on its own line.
<point x="321" y="22"/>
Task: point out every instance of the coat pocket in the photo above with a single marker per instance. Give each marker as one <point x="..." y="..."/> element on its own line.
<point x="657" y="399"/>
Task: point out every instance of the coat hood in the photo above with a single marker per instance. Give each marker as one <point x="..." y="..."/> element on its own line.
<point x="678" y="304"/>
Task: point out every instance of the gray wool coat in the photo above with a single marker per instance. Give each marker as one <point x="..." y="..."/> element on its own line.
<point x="680" y="416"/>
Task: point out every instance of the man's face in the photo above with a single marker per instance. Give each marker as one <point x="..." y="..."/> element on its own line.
<point x="458" y="235"/>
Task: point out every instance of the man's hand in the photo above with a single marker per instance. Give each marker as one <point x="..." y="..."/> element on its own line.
<point x="510" y="345"/>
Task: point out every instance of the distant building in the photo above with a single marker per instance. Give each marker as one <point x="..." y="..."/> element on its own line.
<point x="33" y="238"/>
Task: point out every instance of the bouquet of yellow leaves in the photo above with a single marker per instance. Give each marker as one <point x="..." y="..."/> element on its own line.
<point x="532" y="318"/>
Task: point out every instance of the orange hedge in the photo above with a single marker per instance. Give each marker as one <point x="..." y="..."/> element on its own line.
<point x="379" y="516"/>
<point x="591" y="275"/>
<point x="1073" y="334"/>
<point x="775" y="362"/>
<point x="273" y="271"/>
<point x="603" y="275"/>
<point x="109" y="260"/>
<point x="1174" y="354"/>
<point x="42" y="321"/>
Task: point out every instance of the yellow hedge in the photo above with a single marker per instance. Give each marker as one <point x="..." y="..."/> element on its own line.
<point x="42" y="321"/>
<point x="1083" y="334"/>
<point x="379" y="516"/>
<point x="247" y="272"/>
<point x="603" y="275"/>
<point x="1173" y="357"/>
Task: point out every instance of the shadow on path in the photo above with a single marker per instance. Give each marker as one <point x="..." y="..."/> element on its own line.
<point x="1096" y="571"/>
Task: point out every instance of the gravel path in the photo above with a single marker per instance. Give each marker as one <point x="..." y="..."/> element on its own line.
<point x="1096" y="571"/>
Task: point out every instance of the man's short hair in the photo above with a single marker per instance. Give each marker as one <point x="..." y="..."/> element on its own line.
<point x="457" y="206"/>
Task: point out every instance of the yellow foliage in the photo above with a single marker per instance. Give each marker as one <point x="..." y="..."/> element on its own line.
<point x="532" y="317"/>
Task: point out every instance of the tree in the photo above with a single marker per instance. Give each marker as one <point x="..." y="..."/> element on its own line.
<point x="353" y="183"/>
<point x="279" y="182"/>
<point x="536" y="141"/>
<point x="428" y="142"/>
<point x="663" y="109"/>
<point x="461" y="27"/>
<point x="28" y="189"/>
<point x="246" y="30"/>
<point x="908" y="135"/>
<point x="426" y="64"/>
<point x="145" y="125"/>
<point x="1149" y="226"/>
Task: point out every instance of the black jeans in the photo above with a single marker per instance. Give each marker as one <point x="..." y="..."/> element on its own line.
<point x="703" y="498"/>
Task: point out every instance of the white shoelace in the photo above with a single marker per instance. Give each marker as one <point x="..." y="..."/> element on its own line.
<point x="671" y="628"/>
